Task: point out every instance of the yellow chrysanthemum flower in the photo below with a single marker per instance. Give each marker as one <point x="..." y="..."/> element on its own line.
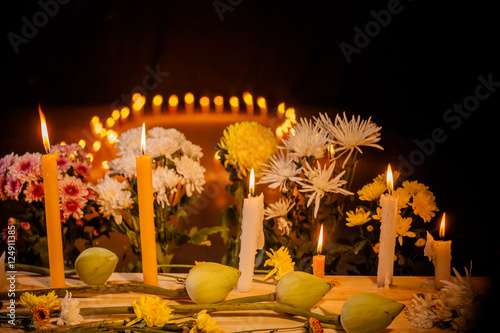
<point x="29" y="300"/>
<point x="414" y="187"/>
<point x="204" y="323"/>
<point x="403" y="195"/>
<point x="153" y="310"/>
<point x="247" y="145"/>
<point x="424" y="205"/>
<point x="403" y="229"/>
<point x="281" y="261"/>
<point x="359" y="217"/>
<point x="378" y="214"/>
<point x="41" y="314"/>
<point x="372" y="191"/>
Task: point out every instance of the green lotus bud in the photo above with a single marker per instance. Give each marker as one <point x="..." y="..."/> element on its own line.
<point x="95" y="265"/>
<point x="368" y="313"/>
<point x="301" y="290"/>
<point x="210" y="282"/>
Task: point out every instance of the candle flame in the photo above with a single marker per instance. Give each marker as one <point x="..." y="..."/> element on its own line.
<point x="45" y="133"/>
<point x="442" y="226"/>
<point x="390" y="182"/>
<point x="320" y="240"/>
<point x="251" y="186"/>
<point x="143" y="139"/>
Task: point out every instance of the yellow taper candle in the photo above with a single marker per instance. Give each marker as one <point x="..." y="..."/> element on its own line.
<point x="52" y="212"/>
<point x="146" y="214"/>
<point x="442" y="264"/>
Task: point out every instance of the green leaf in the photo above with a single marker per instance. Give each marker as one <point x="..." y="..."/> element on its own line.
<point x="200" y="237"/>
<point x="359" y="245"/>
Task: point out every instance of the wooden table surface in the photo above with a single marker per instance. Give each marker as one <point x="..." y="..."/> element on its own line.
<point x="345" y="286"/>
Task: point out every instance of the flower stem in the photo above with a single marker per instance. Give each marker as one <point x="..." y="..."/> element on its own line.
<point x="108" y="288"/>
<point x="37" y="269"/>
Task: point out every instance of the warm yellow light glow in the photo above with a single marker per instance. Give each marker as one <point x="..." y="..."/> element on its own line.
<point x="279" y="132"/>
<point x="234" y="102"/>
<point x="90" y="156"/>
<point x="173" y="101"/>
<point x="115" y="115"/>
<point x="331" y="151"/>
<point x="284" y="128"/>
<point x="442" y="226"/>
<point x="188" y="98"/>
<point x="112" y="136"/>
<point x="390" y="182"/>
<point x="288" y="123"/>
<point x="204" y="101"/>
<point x="124" y="112"/>
<point x="45" y="133"/>
<point x="216" y="155"/>
<point x="105" y="165"/>
<point x="281" y="108"/>
<point x="82" y="143"/>
<point x="261" y="102"/>
<point x="135" y="97"/>
<point x="158" y="100"/>
<point x="251" y="185"/>
<point x="143" y="139"/>
<point x="110" y="122"/>
<point x="289" y="112"/>
<point x="139" y="103"/>
<point x="94" y="120"/>
<point x="98" y="128"/>
<point x="63" y="143"/>
<point x="96" y="145"/>
<point x="103" y="132"/>
<point x="320" y="240"/>
<point x="219" y="103"/>
<point x="247" y="98"/>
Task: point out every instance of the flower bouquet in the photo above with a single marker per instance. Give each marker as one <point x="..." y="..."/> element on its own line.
<point x="313" y="171"/>
<point x="178" y="179"/>
<point x="416" y="207"/>
<point x="21" y="191"/>
<point x="244" y="146"/>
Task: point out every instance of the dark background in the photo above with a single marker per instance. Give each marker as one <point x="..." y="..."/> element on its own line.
<point x="427" y="59"/>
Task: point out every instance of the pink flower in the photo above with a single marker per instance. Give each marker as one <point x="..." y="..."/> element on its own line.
<point x="6" y="162"/>
<point x="25" y="225"/>
<point x="63" y="163"/>
<point x="82" y="167"/>
<point x="33" y="192"/>
<point x="3" y="181"/>
<point x="13" y="188"/>
<point x="27" y="167"/>
<point x="73" y="208"/>
<point x="71" y="188"/>
<point x="92" y="194"/>
<point x="79" y="223"/>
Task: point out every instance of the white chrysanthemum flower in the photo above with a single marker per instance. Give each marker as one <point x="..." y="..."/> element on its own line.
<point x="307" y="139"/>
<point x="319" y="181"/>
<point x="172" y="133"/>
<point x="281" y="168"/>
<point x="193" y="174"/>
<point x="280" y="210"/>
<point x="419" y="311"/>
<point x="112" y="197"/>
<point x="70" y="311"/>
<point x="348" y="135"/>
<point x="163" y="146"/>
<point x="191" y="150"/>
<point x="125" y="165"/>
<point x="129" y="141"/>
<point x="165" y="181"/>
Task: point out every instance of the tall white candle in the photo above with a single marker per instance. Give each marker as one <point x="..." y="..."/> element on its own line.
<point x="252" y="236"/>
<point x="389" y="203"/>
<point x="442" y="252"/>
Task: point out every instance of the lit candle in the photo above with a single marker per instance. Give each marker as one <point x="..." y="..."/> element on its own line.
<point x="389" y="204"/>
<point x="205" y="104"/>
<point x="219" y="104"/>
<point x="319" y="259"/>
<point x="442" y="251"/>
<point x="146" y="214"/>
<point x="261" y="102"/>
<point x="252" y="235"/>
<point x="173" y="102"/>
<point x="156" y="104"/>
<point x="235" y="105"/>
<point x="281" y="110"/>
<point x="248" y="99"/>
<point x="52" y="212"/>
<point x="189" y="102"/>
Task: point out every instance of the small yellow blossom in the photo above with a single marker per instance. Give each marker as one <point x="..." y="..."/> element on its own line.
<point x="153" y="310"/>
<point x="359" y="217"/>
<point x="247" y="145"/>
<point x="372" y="191"/>
<point x="403" y="195"/>
<point x="41" y="314"/>
<point x="29" y="300"/>
<point x="424" y="205"/>
<point x="369" y="228"/>
<point x="420" y="242"/>
<point x="378" y="214"/>
<point x="376" y="248"/>
<point x="403" y="228"/>
<point x="281" y="261"/>
<point x="204" y="323"/>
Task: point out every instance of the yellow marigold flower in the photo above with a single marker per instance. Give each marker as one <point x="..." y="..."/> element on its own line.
<point x="359" y="217"/>
<point x="281" y="261"/>
<point x="153" y="310"/>
<point x="247" y="145"/>
<point x="41" y="314"/>
<point x="424" y="205"/>
<point x="372" y="191"/>
<point x="29" y="300"/>
<point x="204" y="323"/>
<point x="376" y="248"/>
<point x="415" y="187"/>
<point x="420" y="242"/>
<point x="403" y="228"/>
<point x="378" y="214"/>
